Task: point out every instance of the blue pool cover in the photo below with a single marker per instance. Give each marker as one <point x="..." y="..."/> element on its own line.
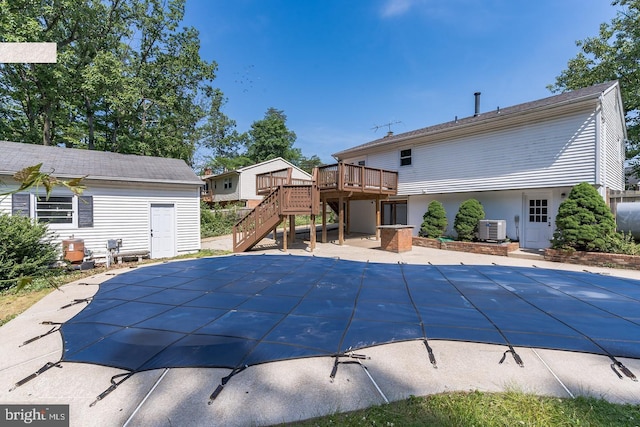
<point x="244" y="310"/>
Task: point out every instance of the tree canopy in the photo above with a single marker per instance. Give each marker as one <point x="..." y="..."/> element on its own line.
<point x="614" y="54"/>
<point x="127" y="78"/>
<point x="270" y="138"/>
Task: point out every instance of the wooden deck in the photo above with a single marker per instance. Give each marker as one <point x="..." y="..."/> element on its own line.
<point x="335" y="179"/>
<point x="286" y="197"/>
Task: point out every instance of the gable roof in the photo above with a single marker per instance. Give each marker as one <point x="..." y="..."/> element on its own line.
<point x="246" y="168"/>
<point x="572" y="97"/>
<point x="95" y="165"/>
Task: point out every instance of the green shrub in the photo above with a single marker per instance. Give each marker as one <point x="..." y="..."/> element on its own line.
<point x="434" y="221"/>
<point x="466" y="221"/>
<point x="585" y="223"/>
<point x="27" y="249"/>
<point x="218" y="221"/>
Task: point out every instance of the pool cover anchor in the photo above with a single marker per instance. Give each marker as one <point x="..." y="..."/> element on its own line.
<point x="349" y="354"/>
<point x="42" y="370"/>
<point x="77" y="301"/>
<point x="515" y="355"/>
<point x="114" y="384"/>
<point x="432" y="357"/>
<point x="357" y="360"/>
<point x="56" y="328"/>
<point x="624" y="369"/>
<point x="224" y="382"/>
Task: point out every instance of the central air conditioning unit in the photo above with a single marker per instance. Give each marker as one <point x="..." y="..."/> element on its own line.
<point x="492" y="229"/>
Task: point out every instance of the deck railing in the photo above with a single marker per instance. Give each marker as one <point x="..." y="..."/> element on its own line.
<point x="257" y="223"/>
<point x="346" y="177"/>
<point x="268" y="181"/>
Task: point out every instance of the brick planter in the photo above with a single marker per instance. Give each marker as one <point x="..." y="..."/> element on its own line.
<point x="501" y="249"/>
<point x="598" y="259"/>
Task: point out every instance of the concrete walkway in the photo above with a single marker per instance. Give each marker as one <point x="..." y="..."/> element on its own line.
<point x="285" y="391"/>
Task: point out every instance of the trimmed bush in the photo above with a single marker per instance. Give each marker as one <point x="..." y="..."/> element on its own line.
<point x="434" y="221"/>
<point x="585" y="222"/>
<point x="27" y="249"/>
<point x="466" y="221"/>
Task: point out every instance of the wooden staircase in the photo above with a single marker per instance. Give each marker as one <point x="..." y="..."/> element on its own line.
<point x="285" y="195"/>
<point x="283" y="200"/>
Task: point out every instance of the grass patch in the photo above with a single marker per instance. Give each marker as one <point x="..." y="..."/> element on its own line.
<point x="487" y="409"/>
<point x="13" y="302"/>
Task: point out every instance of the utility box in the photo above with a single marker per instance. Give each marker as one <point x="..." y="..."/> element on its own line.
<point x="492" y="230"/>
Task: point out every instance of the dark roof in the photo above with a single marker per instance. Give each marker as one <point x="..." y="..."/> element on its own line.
<point x="98" y="165"/>
<point x="566" y="97"/>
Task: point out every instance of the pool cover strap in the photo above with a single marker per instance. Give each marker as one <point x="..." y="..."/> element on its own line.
<point x="114" y="384"/>
<point x="49" y="332"/>
<point x="224" y="382"/>
<point x="515" y="355"/>
<point x="45" y="368"/>
<point x="624" y="370"/>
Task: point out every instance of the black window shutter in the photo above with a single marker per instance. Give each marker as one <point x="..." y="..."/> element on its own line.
<point x="85" y="211"/>
<point x="20" y="204"/>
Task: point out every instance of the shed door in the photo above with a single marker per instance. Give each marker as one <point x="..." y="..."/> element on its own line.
<point x="538" y="221"/>
<point x="163" y="233"/>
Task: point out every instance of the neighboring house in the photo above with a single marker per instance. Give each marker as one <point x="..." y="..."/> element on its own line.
<point x="520" y="162"/>
<point x="239" y="186"/>
<point x="151" y="203"/>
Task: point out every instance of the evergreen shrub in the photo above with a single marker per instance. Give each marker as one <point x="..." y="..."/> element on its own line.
<point x="434" y="221"/>
<point x="27" y="249"/>
<point x="585" y="223"/>
<point x="466" y="221"/>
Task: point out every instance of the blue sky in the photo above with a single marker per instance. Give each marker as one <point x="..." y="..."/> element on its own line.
<point x="338" y="68"/>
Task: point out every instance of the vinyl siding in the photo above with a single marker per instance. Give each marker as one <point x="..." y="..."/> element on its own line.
<point x="124" y="213"/>
<point x="550" y="153"/>
<point x="613" y="136"/>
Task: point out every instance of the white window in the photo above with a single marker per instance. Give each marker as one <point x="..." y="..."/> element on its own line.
<point x="55" y="209"/>
<point x="405" y="157"/>
<point x="227" y="183"/>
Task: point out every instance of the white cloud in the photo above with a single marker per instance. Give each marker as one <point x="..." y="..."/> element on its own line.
<point x="396" y="7"/>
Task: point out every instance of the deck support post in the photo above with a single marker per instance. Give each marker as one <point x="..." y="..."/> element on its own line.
<point x="284" y="234"/>
<point x="312" y="233"/>
<point x="341" y="220"/>
<point x="378" y="218"/>
<point x="324" y="220"/>
<point x="348" y="215"/>
<point x="292" y="229"/>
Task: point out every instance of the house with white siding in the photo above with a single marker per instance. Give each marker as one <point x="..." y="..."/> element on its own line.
<point x="239" y="185"/>
<point x="520" y="162"/>
<point x="151" y="203"/>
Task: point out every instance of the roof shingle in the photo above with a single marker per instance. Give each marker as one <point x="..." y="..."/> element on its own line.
<point x="98" y="165"/>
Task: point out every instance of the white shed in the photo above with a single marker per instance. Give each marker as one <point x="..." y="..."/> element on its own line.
<point x="520" y="162"/>
<point x="151" y="203"/>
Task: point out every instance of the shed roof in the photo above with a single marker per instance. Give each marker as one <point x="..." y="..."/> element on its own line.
<point x="95" y="165"/>
<point x="575" y="96"/>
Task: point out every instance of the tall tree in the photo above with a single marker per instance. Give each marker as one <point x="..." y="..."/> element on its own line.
<point x="270" y="138"/>
<point x="128" y="79"/>
<point x="613" y="54"/>
<point x="219" y="135"/>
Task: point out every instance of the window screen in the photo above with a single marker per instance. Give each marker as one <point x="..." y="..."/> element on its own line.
<point x="55" y="210"/>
